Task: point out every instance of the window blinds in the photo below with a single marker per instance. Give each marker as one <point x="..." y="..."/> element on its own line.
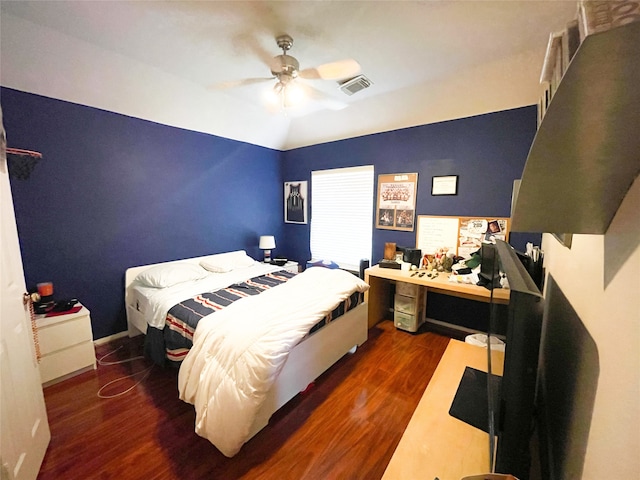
<point x="342" y="215"/>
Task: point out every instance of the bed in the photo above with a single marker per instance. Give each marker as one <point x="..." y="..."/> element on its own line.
<point x="293" y="356"/>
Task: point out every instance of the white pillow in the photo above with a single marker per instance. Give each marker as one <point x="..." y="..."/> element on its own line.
<point x="225" y="262"/>
<point x="244" y="261"/>
<point x="163" y="276"/>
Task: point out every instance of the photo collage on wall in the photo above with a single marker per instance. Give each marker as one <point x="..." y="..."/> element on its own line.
<point x="459" y="235"/>
<point x="473" y="232"/>
<point x="396" y="209"/>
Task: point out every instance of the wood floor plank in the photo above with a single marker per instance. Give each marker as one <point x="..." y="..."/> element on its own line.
<point x="345" y="427"/>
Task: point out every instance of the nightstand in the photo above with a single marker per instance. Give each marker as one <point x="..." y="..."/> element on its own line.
<point x="66" y="345"/>
<point x="292" y="267"/>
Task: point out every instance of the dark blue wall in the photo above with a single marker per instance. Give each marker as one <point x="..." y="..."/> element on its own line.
<point x="487" y="152"/>
<point x="113" y="192"/>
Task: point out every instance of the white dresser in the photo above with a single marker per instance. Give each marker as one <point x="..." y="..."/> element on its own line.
<point x="66" y="345"/>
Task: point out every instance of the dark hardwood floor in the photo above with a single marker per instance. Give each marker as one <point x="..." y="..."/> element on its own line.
<point x="345" y="427"/>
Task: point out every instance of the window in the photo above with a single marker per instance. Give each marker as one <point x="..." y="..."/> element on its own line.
<point x="342" y="215"/>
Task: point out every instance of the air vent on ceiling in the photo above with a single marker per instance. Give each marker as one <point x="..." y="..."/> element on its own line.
<point x="355" y="84"/>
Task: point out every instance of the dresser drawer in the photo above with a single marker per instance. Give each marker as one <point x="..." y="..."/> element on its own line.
<point x="65" y="333"/>
<point x="67" y="361"/>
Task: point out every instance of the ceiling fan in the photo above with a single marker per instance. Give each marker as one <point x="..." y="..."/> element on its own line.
<point x="285" y="69"/>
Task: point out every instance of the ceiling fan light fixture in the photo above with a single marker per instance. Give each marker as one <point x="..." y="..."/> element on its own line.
<point x="286" y="93"/>
<point x="285" y="65"/>
<point x="293" y="95"/>
<point x="273" y="96"/>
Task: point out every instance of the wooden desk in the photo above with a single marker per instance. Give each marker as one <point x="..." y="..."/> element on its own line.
<point x="435" y="444"/>
<point x="378" y="296"/>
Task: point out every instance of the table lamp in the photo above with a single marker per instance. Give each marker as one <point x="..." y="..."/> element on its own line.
<point x="267" y="242"/>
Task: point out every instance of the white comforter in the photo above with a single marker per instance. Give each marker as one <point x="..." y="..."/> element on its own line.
<point x="238" y="352"/>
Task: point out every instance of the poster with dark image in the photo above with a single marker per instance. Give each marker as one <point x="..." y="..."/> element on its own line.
<point x="295" y="194"/>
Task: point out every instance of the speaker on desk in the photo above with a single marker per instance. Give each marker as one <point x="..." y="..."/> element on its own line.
<point x="412" y="255"/>
<point x="364" y="264"/>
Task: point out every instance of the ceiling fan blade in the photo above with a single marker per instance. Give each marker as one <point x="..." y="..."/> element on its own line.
<point x="248" y="42"/>
<point x="323" y="98"/>
<point x="332" y="71"/>
<point x="240" y="83"/>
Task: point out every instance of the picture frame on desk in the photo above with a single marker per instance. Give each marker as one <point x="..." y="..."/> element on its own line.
<point x="444" y="185"/>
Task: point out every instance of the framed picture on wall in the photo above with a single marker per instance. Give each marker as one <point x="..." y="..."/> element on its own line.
<point x="295" y="202"/>
<point x="396" y="209"/>
<point x="445" y="185"/>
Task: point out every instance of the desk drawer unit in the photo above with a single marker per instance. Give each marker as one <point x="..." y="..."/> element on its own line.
<point x="405" y="321"/>
<point x="404" y="304"/>
<point x="66" y="345"/>
<point x="408" y="289"/>
<point x="408" y="306"/>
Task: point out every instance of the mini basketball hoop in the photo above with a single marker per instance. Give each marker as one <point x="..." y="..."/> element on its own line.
<point x="21" y="162"/>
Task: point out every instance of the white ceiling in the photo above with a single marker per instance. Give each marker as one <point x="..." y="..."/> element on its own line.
<point x="163" y="60"/>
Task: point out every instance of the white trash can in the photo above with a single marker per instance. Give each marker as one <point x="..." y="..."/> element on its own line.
<point x="480" y="340"/>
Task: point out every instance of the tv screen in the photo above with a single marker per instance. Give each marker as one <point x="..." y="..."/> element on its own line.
<point x="489" y="276"/>
<point x="568" y="373"/>
<point x="504" y="406"/>
<point x="516" y="392"/>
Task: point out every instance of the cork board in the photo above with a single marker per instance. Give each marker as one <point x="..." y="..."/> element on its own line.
<point x="461" y="235"/>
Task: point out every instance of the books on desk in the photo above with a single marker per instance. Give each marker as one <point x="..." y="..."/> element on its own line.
<point x="389" y="264"/>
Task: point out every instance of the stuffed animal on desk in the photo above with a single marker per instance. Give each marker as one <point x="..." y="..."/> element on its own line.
<point x="427" y="262"/>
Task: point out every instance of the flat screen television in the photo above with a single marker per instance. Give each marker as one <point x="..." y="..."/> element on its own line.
<point x="508" y="401"/>
<point x="568" y="373"/>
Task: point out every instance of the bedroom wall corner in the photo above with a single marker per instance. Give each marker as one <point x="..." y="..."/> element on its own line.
<point x="114" y="192"/>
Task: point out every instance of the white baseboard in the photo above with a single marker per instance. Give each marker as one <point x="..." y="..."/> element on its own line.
<point x="110" y="338"/>
<point x="460" y="328"/>
<point x="452" y="326"/>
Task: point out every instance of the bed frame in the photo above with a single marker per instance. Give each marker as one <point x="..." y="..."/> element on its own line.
<point x="307" y="360"/>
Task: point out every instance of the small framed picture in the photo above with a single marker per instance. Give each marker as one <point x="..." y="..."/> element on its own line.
<point x="444" y="185"/>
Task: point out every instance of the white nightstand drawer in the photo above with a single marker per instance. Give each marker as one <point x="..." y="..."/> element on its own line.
<point x="292" y="267"/>
<point x="66" y="344"/>
<point x="64" y="333"/>
<point x="67" y="361"/>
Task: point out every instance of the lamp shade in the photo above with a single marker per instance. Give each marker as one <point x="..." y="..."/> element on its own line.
<point x="267" y="242"/>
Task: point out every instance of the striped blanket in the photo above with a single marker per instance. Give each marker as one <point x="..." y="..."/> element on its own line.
<point x="183" y="317"/>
